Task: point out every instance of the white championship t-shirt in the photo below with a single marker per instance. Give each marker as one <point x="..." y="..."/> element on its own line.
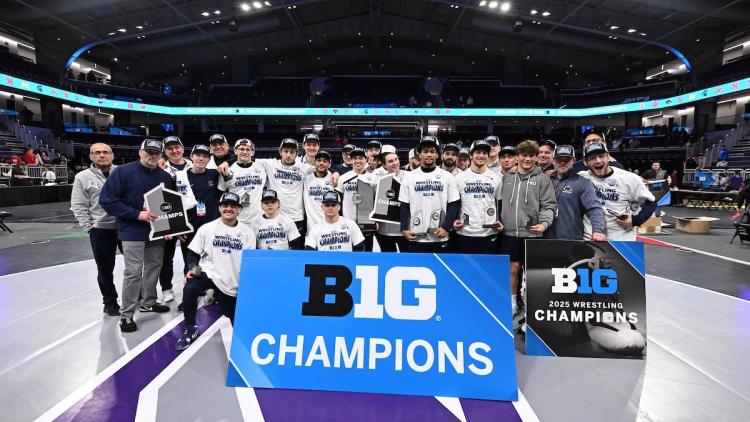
<point x="248" y="183"/>
<point x="621" y="192"/>
<point x="314" y="189"/>
<point x="339" y="236"/>
<point x="288" y="182"/>
<point x="428" y="195"/>
<point x="479" y="195"/>
<point x="274" y="233"/>
<point x="347" y="186"/>
<point x="220" y="248"/>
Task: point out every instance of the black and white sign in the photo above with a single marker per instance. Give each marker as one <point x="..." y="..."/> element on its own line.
<point x="387" y="206"/>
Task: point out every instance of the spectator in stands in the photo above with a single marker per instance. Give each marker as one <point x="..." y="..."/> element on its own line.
<point x="735" y="181"/>
<point x="469" y="101"/>
<point x="29" y="157"/>
<point x="691" y="163"/>
<point x="48" y="176"/>
<point x="721" y="181"/>
<point x="44" y="157"/>
<point x="18" y="176"/>
<point x="38" y="156"/>
<point x="14" y="160"/>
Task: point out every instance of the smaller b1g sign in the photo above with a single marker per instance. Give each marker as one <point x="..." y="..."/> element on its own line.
<point x="417" y="324"/>
<point x="585" y="298"/>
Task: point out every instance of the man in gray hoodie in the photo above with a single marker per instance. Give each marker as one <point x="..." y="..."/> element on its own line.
<point x="528" y="209"/>
<point x="576" y="197"/>
<point x="84" y="202"/>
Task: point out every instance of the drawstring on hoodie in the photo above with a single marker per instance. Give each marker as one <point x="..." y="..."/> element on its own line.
<point x="526" y="195"/>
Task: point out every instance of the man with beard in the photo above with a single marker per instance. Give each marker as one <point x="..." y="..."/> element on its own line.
<point x="576" y="198"/>
<point x="595" y="137"/>
<point x="122" y="197"/>
<point x="450" y="159"/>
<point x="480" y="188"/>
<point x="620" y="192"/>
<point x="316" y="184"/>
<point x="464" y="159"/>
<point x="544" y="159"/>
<point x="219" y="150"/>
<point x="429" y="201"/>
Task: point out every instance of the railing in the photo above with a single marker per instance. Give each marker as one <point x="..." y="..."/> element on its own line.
<point x="62" y="173"/>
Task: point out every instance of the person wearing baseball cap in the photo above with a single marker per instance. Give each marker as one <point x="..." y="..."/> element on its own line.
<point x="595" y="136"/>
<point x="478" y="222"/>
<point x="413" y="160"/>
<point x="246" y="179"/>
<point x="544" y="159"/>
<point x="346" y="161"/>
<point x="464" y="159"/>
<point x="311" y="146"/>
<point x="317" y="183"/>
<point x="373" y="148"/>
<point x="450" y="158"/>
<point x="494" y="163"/>
<point x="175" y="152"/>
<point x="625" y="199"/>
<point x="507" y="158"/>
<point x="335" y="233"/>
<point x="347" y="186"/>
<point x="214" y="258"/>
<point x="219" y="150"/>
<point x="576" y="197"/>
<point x="273" y="230"/>
<point x="123" y="198"/>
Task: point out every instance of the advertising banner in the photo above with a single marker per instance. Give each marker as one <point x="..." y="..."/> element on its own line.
<point x="415" y="324"/>
<point x="585" y="299"/>
<point x="171" y="218"/>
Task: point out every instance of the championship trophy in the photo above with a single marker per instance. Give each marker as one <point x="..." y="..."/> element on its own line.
<point x="364" y="201"/>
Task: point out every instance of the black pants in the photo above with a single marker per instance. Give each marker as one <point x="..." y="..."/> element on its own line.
<point x="167" y="267"/>
<point x="193" y="289"/>
<point x="428" y="247"/>
<point x="104" y="244"/>
<point x="475" y="245"/>
<point x="184" y="249"/>
<point x="369" y="236"/>
<point x="388" y="243"/>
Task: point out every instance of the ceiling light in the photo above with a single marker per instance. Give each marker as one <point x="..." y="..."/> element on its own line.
<point x="257" y="4"/>
<point x="205" y="14"/>
<point x="267" y="3"/>
<point x="217" y="12"/>
<point x="534" y="12"/>
<point x="614" y="27"/>
<point x="505" y="6"/>
<point x="114" y="59"/>
<point x="482" y="3"/>
<point x="123" y="30"/>
<point x="697" y="40"/>
<point x="631" y="30"/>
<point x="245" y="7"/>
<point x="643" y="34"/>
<point x="546" y="13"/>
<point x="493" y="5"/>
<point x="111" y="33"/>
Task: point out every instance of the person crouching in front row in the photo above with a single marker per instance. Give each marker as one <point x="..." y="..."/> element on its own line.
<point x="335" y="233"/>
<point x="214" y="258"/>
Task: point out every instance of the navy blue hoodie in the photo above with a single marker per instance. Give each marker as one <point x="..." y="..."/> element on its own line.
<point x="122" y="197"/>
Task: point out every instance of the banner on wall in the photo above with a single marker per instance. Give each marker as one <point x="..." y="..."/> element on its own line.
<point x="585" y="299"/>
<point x="415" y="324"/>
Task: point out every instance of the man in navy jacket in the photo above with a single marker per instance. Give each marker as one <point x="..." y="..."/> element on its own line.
<point x="122" y="197"/>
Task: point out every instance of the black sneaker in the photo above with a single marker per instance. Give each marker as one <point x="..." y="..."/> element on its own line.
<point x="127" y="325"/>
<point x="188" y="337"/>
<point x="156" y="307"/>
<point x="112" y="309"/>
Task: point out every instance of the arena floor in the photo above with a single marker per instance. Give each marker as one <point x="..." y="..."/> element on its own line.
<point x="63" y="359"/>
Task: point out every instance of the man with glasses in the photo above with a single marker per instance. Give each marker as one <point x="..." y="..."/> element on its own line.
<point x="84" y="202"/>
<point x="576" y="198"/>
<point x="122" y="197"/>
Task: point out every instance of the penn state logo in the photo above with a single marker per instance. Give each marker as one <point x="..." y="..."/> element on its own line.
<point x="567" y="189"/>
<point x="165" y="207"/>
<point x="210" y="183"/>
<point x="390" y="194"/>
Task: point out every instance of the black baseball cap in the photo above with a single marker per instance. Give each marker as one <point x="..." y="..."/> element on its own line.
<point x="428" y="141"/>
<point x="492" y="140"/>
<point x="508" y="150"/>
<point x="229" y="197"/>
<point x="323" y="154"/>
<point x="217" y="138"/>
<point x="358" y="151"/>
<point x="549" y="143"/>
<point x="480" y="144"/>
<point x="172" y="140"/>
<point x="331" y="196"/>
<point x="311" y="137"/>
<point x="565" y="151"/>
<point x="200" y="149"/>
<point x="244" y="141"/>
<point x="269" y="195"/>
<point x="451" y="146"/>
<point x="348" y="147"/>
<point x="152" y="145"/>
<point x="464" y="151"/>
<point x="374" y="144"/>
<point x="595" y="149"/>
<point x="288" y="143"/>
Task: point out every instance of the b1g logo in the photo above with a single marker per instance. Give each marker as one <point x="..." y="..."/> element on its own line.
<point x="369" y="306"/>
<point x="599" y="281"/>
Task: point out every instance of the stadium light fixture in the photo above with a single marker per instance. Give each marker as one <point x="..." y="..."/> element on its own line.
<point x="123" y="30"/>
<point x="493" y="5"/>
<point x="267" y="3"/>
<point x="643" y="34"/>
<point x="245" y="7"/>
<point x="546" y="13"/>
<point x="257" y="4"/>
<point x="217" y="12"/>
<point x="111" y="33"/>
<point x="505" y="6"/>
<point x="139" y="27"/>
<point x="631" y="30"/>
<point x="482" y="3"/>
<point x="205" y="14"/>
<point x="534" y="11"/>
<point x="614" y="27"/>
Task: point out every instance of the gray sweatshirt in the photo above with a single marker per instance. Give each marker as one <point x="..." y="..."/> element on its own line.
<point x="84" y="201"/>
<point x="528" y="199"/>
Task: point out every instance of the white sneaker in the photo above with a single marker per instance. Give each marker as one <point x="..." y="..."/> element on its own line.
<point x="208" y="299"/>
<point x="167" y="296"/>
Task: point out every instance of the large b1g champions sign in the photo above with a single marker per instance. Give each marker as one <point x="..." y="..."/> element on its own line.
<point x="386" y="323"/>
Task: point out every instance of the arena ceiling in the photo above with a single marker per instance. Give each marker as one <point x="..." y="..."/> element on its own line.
<point x="600" y="39"/>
